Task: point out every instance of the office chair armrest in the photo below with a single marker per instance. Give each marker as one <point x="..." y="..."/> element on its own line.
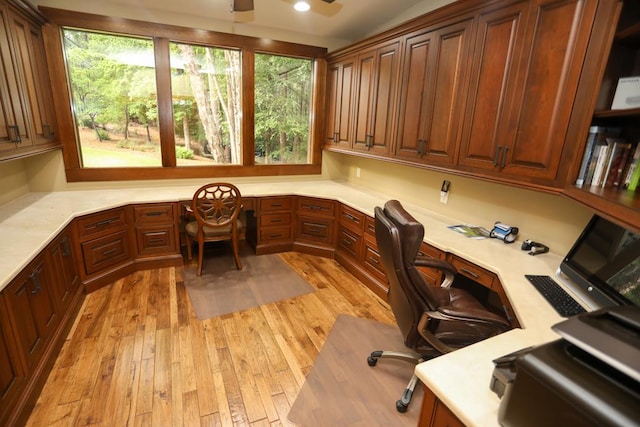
<point x="439" y="264"/>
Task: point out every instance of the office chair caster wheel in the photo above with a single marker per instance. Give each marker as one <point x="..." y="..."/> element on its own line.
<point x="401" y="407"/>
<point x="373" y="358"/>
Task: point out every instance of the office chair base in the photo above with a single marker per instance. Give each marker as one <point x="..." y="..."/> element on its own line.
<point x="403" y="403"/>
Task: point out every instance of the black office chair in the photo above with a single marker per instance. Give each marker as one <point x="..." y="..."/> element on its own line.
<point x="433" y="320"/>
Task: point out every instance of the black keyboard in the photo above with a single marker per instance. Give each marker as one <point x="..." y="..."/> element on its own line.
<point x="559" y="299"/>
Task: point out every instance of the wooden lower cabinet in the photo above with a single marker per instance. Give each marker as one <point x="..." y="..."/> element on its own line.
<point x="63" y="259"/>
<point x="37" y="309"/>
<point x="32" y="312"/>
<point x="495" y="298"/>
<point x="315" y="229"/>
<point x="157" y="234"/>
<point x="12" y="376"/>
<point x="271" y="225"/>
<point x="434" y="413"/>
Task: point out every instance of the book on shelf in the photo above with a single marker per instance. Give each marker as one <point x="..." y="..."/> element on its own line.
<point x="596" y="138"/>
<point x="598" y="173"/>
<point x="635" y="177"/>
<point x="632" y="164"/>
<point x="616" y="160"/>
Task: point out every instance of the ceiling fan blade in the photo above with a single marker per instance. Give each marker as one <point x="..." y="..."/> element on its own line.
<point x="242" y="5"/>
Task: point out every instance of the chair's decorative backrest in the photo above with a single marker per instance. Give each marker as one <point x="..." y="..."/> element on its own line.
<point x="399" y="237"/>
<point x="217" y="204"/>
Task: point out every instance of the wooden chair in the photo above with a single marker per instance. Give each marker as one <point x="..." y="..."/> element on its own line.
<point x="216" y="208"/>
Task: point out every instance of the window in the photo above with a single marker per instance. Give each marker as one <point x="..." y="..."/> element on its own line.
<point x="282" y="109"/>
<point x="150" y="101"/>
<point x="205" y="88"/>
<point x="113" y="89"/>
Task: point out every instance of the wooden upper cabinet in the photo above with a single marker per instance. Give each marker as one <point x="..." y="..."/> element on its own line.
<point x="13" y="120"/>
<point x="27" y="117"/>
<point x="433" y="86"/>
<point x="498" y="46"/>
<point x="375" y="100"/>
<point x="548" y="75"/>
<point x="339" y="102"/>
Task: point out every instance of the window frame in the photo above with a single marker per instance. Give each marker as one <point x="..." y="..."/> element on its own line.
<point x="162" y="35"/>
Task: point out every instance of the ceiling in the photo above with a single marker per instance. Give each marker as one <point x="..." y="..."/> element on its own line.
<point x="344" y="21"/>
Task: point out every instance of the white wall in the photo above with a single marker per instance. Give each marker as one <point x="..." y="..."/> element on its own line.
<point x="14" y="181"/>
<point x="550" y="219"/>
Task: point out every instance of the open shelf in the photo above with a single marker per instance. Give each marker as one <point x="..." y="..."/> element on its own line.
<point x="617" y="205"/>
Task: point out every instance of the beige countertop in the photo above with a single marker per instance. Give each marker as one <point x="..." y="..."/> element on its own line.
<point x="459" y="379"/>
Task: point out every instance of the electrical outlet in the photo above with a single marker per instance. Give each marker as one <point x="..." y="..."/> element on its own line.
<point x="357" y="172"/>
<point x="444" y="191"/>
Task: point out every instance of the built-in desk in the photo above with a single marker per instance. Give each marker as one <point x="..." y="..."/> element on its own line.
<point x="460" y="379"/>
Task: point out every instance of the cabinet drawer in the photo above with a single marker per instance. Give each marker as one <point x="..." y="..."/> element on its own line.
<point x="308" y="205"/>
<point x="277" y="219"/>
<point x="370" y="226"/>
<point x="159" y="240"/>
<point x="472" y="271"/>
<point x="95" y="224"/>
<point x="351" y="218"/>
<point x="432" y="276"/>
<point x="153" y="214"/>
<point x="275" y="204"/>
<point x="275" y="234"/>
<point x="105" y="251"/>
<point x="371" y="260"/>
<point x="349" y="242"/>
<point x="315" y="229"/>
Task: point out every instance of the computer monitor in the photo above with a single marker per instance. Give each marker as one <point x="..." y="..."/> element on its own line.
<point x="603" y="265"/>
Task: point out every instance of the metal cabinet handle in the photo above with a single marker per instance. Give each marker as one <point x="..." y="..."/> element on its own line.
<point x="35" y="279"/>
<point x="105" y="222"/>
<point x="156" y="213"/>
<point x="15" y="129"/>
<point x="469" y="272"/>
<point x="336" y="137"/>
<point x="497" y="156"/>
<point x="504" y="157"/>
<point x="66" y="250"/>
<point x="368" y="141"/>
<point x="109" y="252"/>
<point x="422" y="147"/>
<point x="46" y="131"/>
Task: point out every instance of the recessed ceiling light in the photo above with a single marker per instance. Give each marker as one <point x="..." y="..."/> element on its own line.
<point x="302" y="6"/>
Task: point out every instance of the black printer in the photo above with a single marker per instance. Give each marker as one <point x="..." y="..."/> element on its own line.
<point x="589" y="377"/>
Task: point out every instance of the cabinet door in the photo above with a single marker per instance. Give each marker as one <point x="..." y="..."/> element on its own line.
<point x="32" y="312"/>
<point x="339" y="99"/>
<point x="433" y="86"/>
<point x="12" y="110"/>
<point x="556" y="40"/>
<point x="32" y="66"/>
<point x="11" y="375"/>
<point x="375" y="98"/>
<point x="64" y="263"/>
<point x="498" y="47"/>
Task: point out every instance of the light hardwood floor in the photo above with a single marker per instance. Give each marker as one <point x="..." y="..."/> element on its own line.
<point x="137" y="355"/>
